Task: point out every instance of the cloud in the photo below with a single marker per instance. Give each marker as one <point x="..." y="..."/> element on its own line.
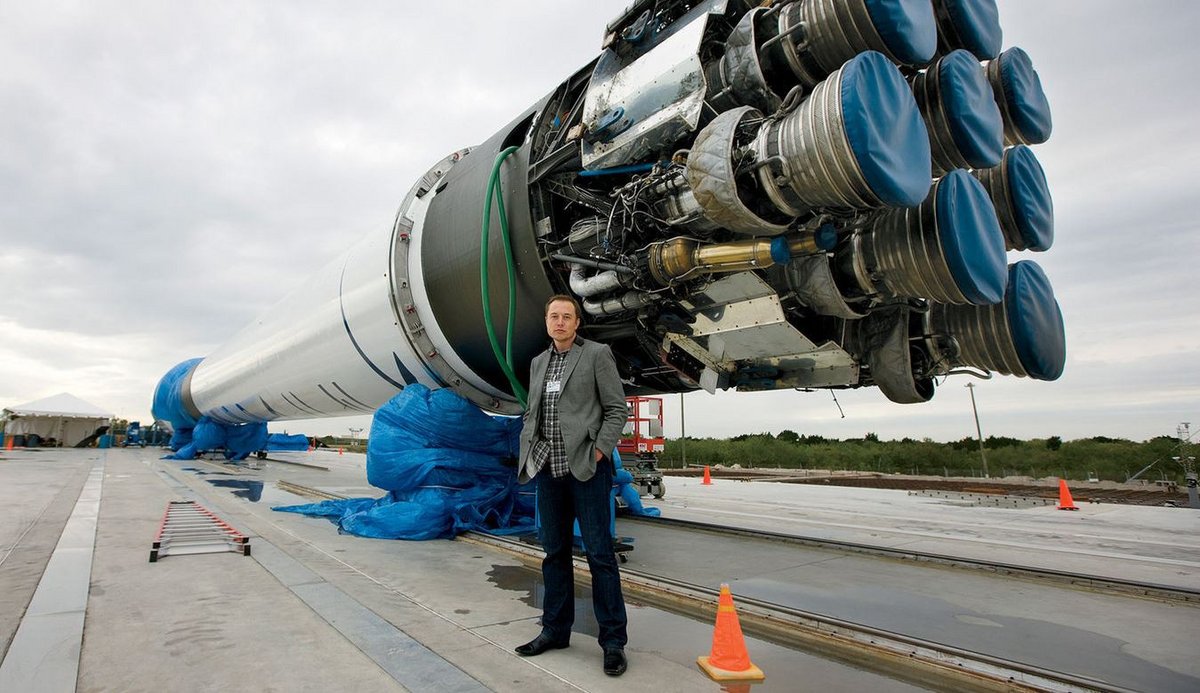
<point x="171" y="170"/>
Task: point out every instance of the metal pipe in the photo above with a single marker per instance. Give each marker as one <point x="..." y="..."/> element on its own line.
<point x="616" y="170"/>
<point x="679" y="257"/>
<point x="631" y="300"/>
<point x="594" y="264"/>
<point x="823" y="239"/>
<point x="600" y="283"/>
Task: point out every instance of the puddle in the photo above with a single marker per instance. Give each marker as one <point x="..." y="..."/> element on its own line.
<point x="529" y="583"/>
<point x="681" y="639"/>
<point x="204" y="472"/>
<point x="258" y="491"/>
<point x="250" y="490"/>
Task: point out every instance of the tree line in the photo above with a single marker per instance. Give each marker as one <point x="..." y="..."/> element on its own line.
<point x="1101" y="457"/>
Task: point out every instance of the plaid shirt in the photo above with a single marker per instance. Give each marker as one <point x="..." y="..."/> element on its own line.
<point x="550" y="447"/>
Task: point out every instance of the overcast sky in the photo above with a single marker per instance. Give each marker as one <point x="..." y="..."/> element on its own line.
<point x="169" y="170"/>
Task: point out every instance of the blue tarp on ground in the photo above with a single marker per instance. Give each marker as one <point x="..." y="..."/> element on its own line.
<point x="283" y="442"/>
<point x="238" y="440"/>
<point x="447" y="467"/>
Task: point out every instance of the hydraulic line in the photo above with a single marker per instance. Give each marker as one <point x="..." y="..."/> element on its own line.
<point x="504" y="359"/>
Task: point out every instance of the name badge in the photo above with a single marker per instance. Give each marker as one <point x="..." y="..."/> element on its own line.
<point x="553" y="386"/>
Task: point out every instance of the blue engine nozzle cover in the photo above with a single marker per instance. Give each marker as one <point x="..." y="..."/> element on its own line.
<point x="780" y="253"/>
<point x="970" y="237"/>
<point x="1033" y="208"/>
<point x="970" y="24"/>
<point x="885" y="130"/>
<point x="974" y="118"/>
<point x="907" y="27"/>
<point x="826" y="236"/>
<point x="1021" y="98"/>
<point x="1035" y="321"/>
<point x="169" y="398"/>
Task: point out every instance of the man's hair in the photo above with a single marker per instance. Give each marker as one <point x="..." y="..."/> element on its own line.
<point x="568" y="299"/>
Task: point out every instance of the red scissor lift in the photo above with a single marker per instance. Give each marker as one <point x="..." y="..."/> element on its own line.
<point x="641" y="443"/>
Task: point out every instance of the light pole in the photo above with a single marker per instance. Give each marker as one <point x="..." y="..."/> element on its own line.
<point x="1189" y="464"/>
<point x="682" y="435"/>
<point x="978" y="431"/>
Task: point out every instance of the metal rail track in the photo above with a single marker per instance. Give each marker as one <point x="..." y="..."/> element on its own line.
<point x="1091" y="582"/>
<point x="1149" y="495"/>
<point x="308" y="491"/>
<point x="915" y="659"/>
<point x="924" y="661"/>
<point x="295" y="464"/>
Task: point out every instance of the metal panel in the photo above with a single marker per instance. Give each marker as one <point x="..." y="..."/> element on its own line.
<point x="661" y="93"/>
<point x="331" y="348"/>
<point x="739" y="321"/>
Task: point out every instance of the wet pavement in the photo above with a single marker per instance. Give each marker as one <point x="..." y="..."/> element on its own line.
<point x="1139" y="643"/>
<point x="461" y="608"/>
<point x="312" y="609"/>
<point x="671" y="636"/>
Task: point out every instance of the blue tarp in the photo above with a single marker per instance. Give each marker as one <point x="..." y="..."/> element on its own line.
<point x="287" y="443"/>
<point x="168" y="397"/>
<point x="238" y="440"/>
<point x="447" y="467"/>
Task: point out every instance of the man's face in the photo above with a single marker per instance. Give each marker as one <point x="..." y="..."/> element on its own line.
<point x="561" y="321"/>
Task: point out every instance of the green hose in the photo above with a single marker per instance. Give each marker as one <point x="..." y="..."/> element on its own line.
<point x="505" y="358"/>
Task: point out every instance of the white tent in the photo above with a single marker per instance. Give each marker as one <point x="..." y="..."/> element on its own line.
<point x="63" y="417"/>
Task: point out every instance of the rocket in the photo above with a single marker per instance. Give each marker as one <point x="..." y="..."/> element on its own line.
<point x="802" y="194"/>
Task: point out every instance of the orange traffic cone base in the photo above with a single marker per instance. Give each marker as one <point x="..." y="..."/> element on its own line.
<point x="718" y="674"/>
<point x="1065" y="502"/>
<point x="728" y="660"/>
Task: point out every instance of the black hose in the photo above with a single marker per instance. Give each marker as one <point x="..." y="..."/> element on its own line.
<point x="594" y="264"/>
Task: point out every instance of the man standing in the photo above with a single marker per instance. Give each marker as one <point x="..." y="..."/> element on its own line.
<point x="575" y="417"/>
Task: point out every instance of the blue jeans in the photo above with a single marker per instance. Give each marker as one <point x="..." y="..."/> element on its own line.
<point x="560" y="501"/>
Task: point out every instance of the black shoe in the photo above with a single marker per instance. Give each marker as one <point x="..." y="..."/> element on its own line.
<point x="539" y="645"/>
<point x="614" y="661"/>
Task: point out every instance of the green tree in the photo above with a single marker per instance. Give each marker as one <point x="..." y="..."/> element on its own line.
<point x="1053" y="443"/>
<point x="996" y="442"/>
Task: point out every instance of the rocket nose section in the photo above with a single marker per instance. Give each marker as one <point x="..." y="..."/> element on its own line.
<point x="172" y="398"/>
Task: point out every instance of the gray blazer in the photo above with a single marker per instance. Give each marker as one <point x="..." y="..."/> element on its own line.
<point x="591" y="407"/>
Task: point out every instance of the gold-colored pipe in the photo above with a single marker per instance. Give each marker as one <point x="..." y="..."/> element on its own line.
<point x="678" y="257"/>
<point x="806" y="244"/>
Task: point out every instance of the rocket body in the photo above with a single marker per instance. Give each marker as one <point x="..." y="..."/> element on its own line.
<point x="740" y="199"/>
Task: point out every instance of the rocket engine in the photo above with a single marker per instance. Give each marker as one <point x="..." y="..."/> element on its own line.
<point x="810" y="194"/>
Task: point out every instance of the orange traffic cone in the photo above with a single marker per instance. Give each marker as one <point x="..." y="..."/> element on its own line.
<point x="8" y="443"/>
<point x="1065" y="502"/>
<point x="339" y="451"/>
<point x="707" y="479"/>
<point x="729" y="660"/>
